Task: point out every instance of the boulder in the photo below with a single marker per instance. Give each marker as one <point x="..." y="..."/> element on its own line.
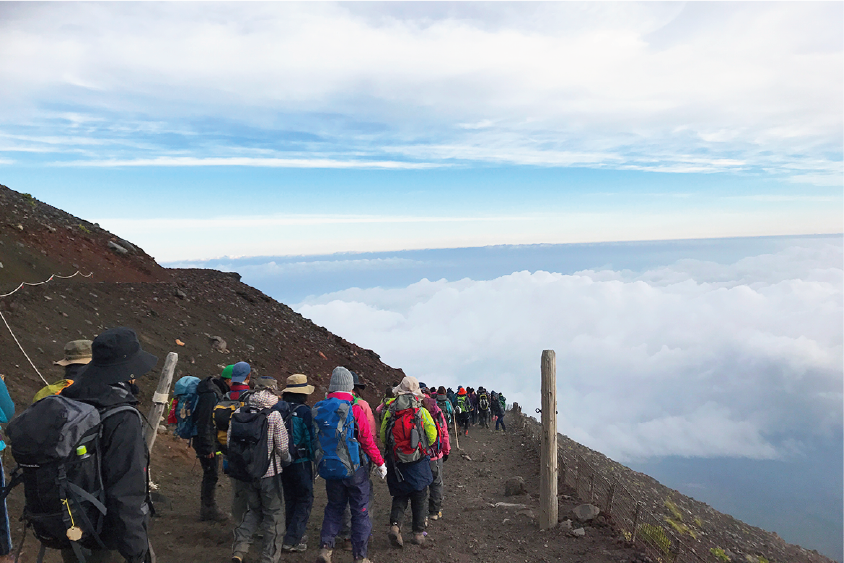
<point x="117" y="248"/>
<point x="514" y="486"/>
<point x="218" y="344"/>
<point x="578" y="533"/>
<point x="586" y="512"/>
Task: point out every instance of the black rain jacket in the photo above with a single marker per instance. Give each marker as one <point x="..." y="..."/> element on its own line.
<point x="125" y="463"/>
<point x="210" y="390"/>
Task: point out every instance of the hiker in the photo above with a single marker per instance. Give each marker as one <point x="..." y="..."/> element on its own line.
<point x="483" y="407"/>
<point x="407" y="431"/>
<point x="379" y="410"/>
<point x="345" y="533"/>
<point x="106" y="383"/>
<point x="445" y="405"/>
<point x="7" y="411"/>
<point x="257" y="451"/>
<point x="499" y="406"/>
<point x="345" y="469"/>
<point x="461" y="410"/>
<point x="438" y="454"/>
<point x="77" y="354"/>
<point x="473" y="405"/>
<point x="210" y="391"/>
<point x="297" y="480"/>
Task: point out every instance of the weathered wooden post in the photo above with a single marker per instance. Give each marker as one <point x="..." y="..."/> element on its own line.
<point x="159" y="399"/>
<point x="548" y="471"/>
<point x="636" y="522"/>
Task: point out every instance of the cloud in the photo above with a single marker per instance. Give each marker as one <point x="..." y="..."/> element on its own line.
<point x="692" y="359"/>
<point x="681" y="87"/>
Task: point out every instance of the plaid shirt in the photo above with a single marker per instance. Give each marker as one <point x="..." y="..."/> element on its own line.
<point x="277" y="442"/>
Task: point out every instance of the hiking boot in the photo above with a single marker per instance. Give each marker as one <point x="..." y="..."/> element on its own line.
<point x="212" y="513"/>
<point x="418" y="538"/>
<point x="237" y="559"/>
<point x="395" y="536"/>
<point x="324" y="555"/>
<point x="436" y="515"/>
<point x="363" y="560"/>
<point x="294" y="548"/>
<point x="467" y="433"/>
<point x="347" y="544"/>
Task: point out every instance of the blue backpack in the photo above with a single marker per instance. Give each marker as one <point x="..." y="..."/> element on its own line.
<point x="338" y="453"/>
<point x="186" y="400"/>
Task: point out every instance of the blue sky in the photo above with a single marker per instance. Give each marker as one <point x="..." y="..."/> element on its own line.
<point x="315" y="128"/>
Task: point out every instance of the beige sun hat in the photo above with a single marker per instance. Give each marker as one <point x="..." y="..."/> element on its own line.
<point x="76" y="352"/>
<point x="298" y="383"/>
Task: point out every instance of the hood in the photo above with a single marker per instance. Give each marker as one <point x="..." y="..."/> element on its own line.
<point x="214" y="385"/>
<point x="262" y="399"/>
<point x="406" y="401"/>
<point x="100" y="395"/>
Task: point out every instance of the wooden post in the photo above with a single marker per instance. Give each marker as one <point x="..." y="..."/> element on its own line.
<point x="159" y="399"/>
<point x="592" y="488"/>
<point x="636" y="522"/>
<point x="548" y="470"/>
<point x="611" y="496"/>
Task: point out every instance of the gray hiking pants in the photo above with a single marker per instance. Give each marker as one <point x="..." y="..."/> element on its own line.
<point x="264" y="511"/>
<point x="435" y="500"/>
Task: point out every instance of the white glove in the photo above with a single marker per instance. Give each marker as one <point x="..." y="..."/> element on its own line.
<point x="382" y="471"/>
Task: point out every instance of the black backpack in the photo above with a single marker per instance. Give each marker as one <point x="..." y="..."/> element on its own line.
<point x="248" y="453"/>
<point x="298" y="436"/>
<point x="56" y="444"/>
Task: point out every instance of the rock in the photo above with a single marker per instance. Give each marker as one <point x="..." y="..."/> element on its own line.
<point x="586" y="512"/>
<point x="578" y="533"/>
<point x="514" y="486"/>
<point x="117" y="248"/>
<point x="484" y="472"/>
<point x="180" y="294"/>
<point x="527" y="513"/>
<point x="219" y="345"/>
<point x="124" y="243"/>
<point x="179" y="342"/>
<point x="510" y="506"/>
<point x="565" y="525"/>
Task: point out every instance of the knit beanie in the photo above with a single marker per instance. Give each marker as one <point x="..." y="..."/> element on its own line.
<point x="227" y="372"/>
<point x="341" y="380"/>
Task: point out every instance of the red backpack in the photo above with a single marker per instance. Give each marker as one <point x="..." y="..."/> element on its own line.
<point x="405" y="433"/>
<point x="440" y="422"/>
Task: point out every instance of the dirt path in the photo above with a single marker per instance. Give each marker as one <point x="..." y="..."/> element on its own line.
<point x="471" y="530"/>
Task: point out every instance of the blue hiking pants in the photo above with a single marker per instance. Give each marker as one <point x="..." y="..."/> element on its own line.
<point x="353" y="491"/>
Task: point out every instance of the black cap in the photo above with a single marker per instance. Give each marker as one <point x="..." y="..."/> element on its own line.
<point x="116" y="355"/>
<point x="357" y="382"/>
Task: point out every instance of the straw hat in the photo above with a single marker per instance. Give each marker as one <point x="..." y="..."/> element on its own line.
<point x="298" y="383"/>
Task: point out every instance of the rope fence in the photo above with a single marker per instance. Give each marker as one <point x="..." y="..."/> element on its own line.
<point x="638" y="525"/>
<point x="22" y="284"/>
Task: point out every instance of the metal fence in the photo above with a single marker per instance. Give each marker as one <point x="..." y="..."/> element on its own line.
<point x="639" y="526"/>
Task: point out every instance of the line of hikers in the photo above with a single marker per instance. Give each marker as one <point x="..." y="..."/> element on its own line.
<point x="84" y="463"/>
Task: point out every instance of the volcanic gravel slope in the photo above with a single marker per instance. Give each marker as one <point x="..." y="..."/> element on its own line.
<point x="220" y="320"/>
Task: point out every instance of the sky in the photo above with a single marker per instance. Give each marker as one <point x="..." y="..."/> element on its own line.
<point x="488" y="173"/>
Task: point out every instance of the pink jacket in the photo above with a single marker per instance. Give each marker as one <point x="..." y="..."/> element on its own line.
<point x="369" y="416"/>
<point x="442" y="427"/>
<point x="364" y="427"/>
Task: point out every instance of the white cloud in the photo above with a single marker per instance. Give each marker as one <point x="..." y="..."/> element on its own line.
<point x="176" y="161"/>
<point x="552" y="83"/>
<point x="694" y="359"/>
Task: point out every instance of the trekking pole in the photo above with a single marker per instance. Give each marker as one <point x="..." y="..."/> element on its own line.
<point x="456" y="439"/>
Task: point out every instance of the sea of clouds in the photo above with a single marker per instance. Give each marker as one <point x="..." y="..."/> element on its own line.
<point x="695" y="358"/>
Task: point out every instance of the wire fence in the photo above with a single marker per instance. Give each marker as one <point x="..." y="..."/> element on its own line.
<point x="634" y="521"/>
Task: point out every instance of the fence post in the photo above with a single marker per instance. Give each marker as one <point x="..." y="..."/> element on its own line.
<point x="592" y="487"/>
<point x="577" y="467"/>
<point x="548" y="507"/>
<point x="636" y="522"/>
<point x="611" y="496"/>
<point x="159" y="399"/>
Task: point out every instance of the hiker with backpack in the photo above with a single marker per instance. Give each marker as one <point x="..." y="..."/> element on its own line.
<point x="461" y="410"/>
<point x="445" y="405"/>
<point x="83" y="459"/>
<point x="77" y="354"/>
<point x="257" y="452"/>
<point x="7" y="411"/>
<point x="499" y="406"/>
<point x="297" y="479"/>
<point x="483" y="407"/>
<point x="343" y="460"/>
<point x="473" y="405"/>
<point x="438" y="454"/>
<point x="407" y="432"/>
<point x="345" y="533"/>
<point x="211" y="391"/>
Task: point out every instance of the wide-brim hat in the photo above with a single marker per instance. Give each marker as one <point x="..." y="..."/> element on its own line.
<point x="75" y="352"/>
<point x="117" y="356"/>
<point x="298" y="383"/>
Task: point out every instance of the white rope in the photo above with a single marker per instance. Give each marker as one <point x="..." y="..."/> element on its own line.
<point x="22" y="350"/>
<point x="77" y="273"/>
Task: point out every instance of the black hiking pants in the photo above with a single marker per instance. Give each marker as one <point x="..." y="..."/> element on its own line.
<point x="297" y="480"/>
<point x="418" y="508"/>
<point x="210" y="472"/>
